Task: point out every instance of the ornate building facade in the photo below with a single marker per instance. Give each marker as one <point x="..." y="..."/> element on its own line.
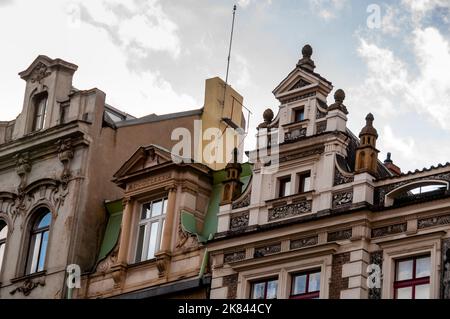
<point x="57" y="160"/>
<point x="323" y="217"/>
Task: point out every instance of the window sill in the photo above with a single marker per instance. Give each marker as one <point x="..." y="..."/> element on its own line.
<point x="29" y="276"/>
<point x="142" y="263"/>
<point x="295" y="124"/>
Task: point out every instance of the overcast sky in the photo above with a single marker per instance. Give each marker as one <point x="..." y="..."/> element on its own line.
<point x="153" y="56"/>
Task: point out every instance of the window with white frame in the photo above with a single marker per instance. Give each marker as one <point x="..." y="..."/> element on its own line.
<point x="3" y="235"/>
<point x="304" y="184"/>
<point x="40" y="110"/>
<point x="150" y="229"/>
<point x="264" y="289"/>
<point x="412" y="278"/>
<point x="37" y="250"/>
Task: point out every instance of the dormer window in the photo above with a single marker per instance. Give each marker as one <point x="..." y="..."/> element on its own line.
<point x="299" y="115"/>
<point x="40" y="109"/>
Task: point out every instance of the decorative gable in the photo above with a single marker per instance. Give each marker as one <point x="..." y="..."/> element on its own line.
<point x="144" y="158"/>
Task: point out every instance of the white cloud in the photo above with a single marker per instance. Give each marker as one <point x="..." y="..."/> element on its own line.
<point x="327" y="9"/>
<point x="420" y="8"/>
<point x="245" y="3"/>
<point x="138" y="26"/>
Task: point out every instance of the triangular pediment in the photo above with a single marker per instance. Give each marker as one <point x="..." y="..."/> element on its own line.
<point x="144" y="158"/>
<point x="300" y="80"/>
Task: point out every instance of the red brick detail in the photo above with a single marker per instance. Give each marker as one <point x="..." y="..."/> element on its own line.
<point x="338" y="283"/>
<point x="231" y="281"/>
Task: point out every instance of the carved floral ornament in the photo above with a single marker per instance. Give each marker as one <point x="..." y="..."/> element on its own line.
<point x="39" y="72"/>
<point x="28" y="286"/>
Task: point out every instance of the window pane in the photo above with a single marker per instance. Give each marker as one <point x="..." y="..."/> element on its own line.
<point x="45" y="221"/>
<point x="145" y="211"/>
<point x="404" y="270"/>
<point x="404" y="293"/>
<point x="43" y="251"/>
<point x="299" y="115"/>
<point x="272" y="289"/>
<point x="34" y="252"/>
<point x="423" y="267"/>
<point x="314" y="282"/>
<point x="140" y="243"/>
<point x="423" y="292"/>
<point x="258" y="290"/>
<point x="3" y="231"/>
<point x="152" y="241"/>
<point x="2" y="252"/>
<point x="157" y="208"/>
<point x="299" y="285"/>
<point x="162" y="233"/>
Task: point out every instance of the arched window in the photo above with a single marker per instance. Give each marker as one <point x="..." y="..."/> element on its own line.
<point x="3" y="235"/>
<point x="40" y="109"/>
<point x="38" y="242"/>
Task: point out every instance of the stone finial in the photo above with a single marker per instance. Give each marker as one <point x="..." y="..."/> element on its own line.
<point x="306" y="63"/>
<point x="268" y="117"/>
<point x="369" y="129"/>
<point x="388" y="158"/>
<point x="307" y="51"/>
<point x="339" y="96"/>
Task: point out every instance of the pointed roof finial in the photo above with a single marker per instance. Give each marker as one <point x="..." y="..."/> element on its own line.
<point x="388" y="158"/>
<point x="369" y="129"/>
<point x="339" y="96"/>
<point x="307" y="51"/>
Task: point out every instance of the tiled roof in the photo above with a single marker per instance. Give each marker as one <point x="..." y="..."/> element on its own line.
<point x="417" y="171"/>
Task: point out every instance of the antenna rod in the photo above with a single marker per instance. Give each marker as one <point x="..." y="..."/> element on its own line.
<point x="231" y="42"/>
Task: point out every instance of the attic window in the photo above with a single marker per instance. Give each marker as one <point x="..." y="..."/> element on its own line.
<point x="299" y="115"/>
<point x="39" y="111"/>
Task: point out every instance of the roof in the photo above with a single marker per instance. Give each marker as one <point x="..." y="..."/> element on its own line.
<point x="156" y="118"/>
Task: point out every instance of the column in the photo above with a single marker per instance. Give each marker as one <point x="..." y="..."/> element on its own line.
<point x="127" y="218"/>
<point x="166" y="240"/>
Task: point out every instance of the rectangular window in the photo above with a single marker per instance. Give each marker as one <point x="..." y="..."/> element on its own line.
<point x="151" y="227"/>
<point x="299" y="115"/>
<point x="304" y="182"/>
<point x="412" y="278"/>
<point x="285" y="187"/>
<point x="306" y="285"/>
<point x="64" y="113"/>
<point x="266" y="289"/>
<point x="39" y="112"/>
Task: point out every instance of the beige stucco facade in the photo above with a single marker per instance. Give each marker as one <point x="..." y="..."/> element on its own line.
<point x="64" y="160"/>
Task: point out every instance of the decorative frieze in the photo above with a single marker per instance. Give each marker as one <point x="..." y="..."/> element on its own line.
<point x="389" y="230"/>
<point x="28" y="286"/>
<point x="298" y="98"/>
<point x="243" y="202"/>
<point x="290" y="210"/>
<point x="342" y="234"/>
<point x="342" y="199"/>
<point x="239" y="221"/>
<point x="376" y="258"/>
<point x="304" y="242"/>
<point x="320" y="115"/>
<point x="267" y="250"/>
<point x="321" y="127"/>
<point x="433" y="221"/>
<point x="340" y="178"/>
<point x="234" y="256"/>
<point x="295" y="134"/>
<point x="318" y="150"/>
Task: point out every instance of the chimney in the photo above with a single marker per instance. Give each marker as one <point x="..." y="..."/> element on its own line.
<point x="391" y="166"/>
